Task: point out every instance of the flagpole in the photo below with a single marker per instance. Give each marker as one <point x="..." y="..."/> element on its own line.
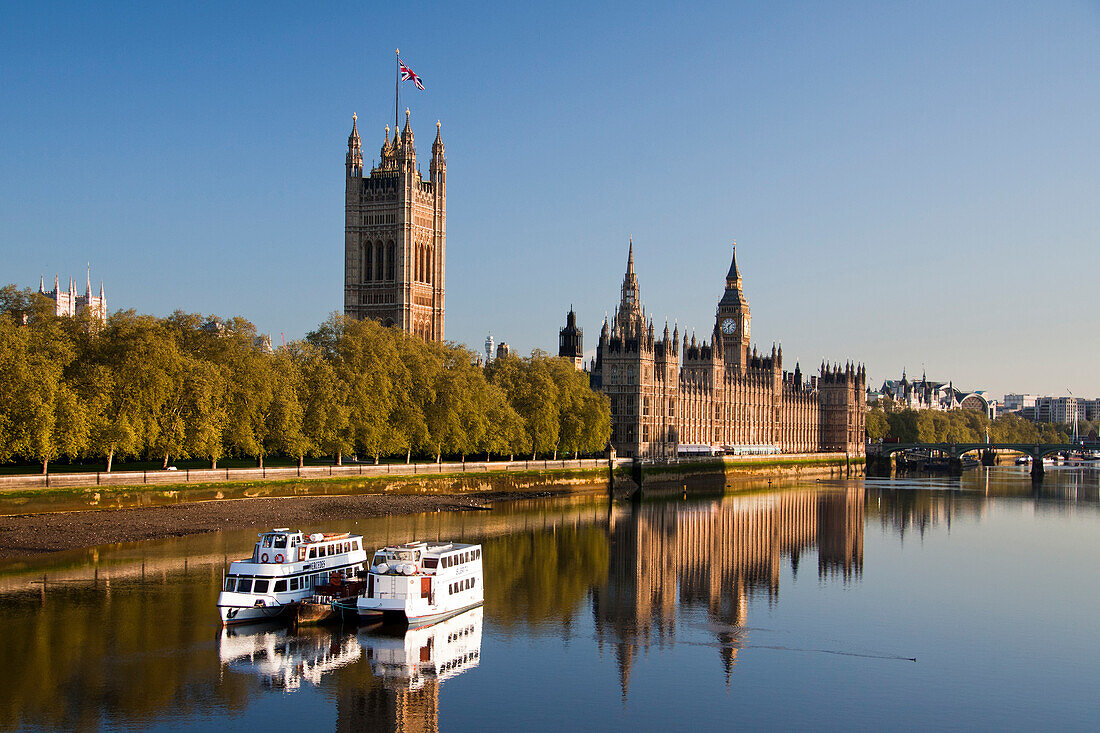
<point x="397" y="90"/>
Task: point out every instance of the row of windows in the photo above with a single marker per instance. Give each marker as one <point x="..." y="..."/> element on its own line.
<point x="452" y="560"/>
<point x="248" y="584"/>
<point x="339" y="547"/>
<point x="468" y="656"/>
<point x="461" y="585"/>
<point x="377" y="261"/>
<point x="460" y="633"/>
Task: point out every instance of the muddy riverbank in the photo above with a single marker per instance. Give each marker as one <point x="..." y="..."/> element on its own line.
<point x="34" y="534"/>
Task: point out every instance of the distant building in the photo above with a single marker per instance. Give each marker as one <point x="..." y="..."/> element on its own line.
<point x="1059" y="410"/>
<point x="1017" y="402"/>
<point x="571" y="341"/>
<point x="489" y="348"/>
<point x="69" y="303"/>
<point x="1062" y="410"/>
<point x="503" y="350"/>
<point x="927" y="394"/>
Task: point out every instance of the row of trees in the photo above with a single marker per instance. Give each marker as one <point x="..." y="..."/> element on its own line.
<point x="187" y="386"/>
<point x="957" y="426"/>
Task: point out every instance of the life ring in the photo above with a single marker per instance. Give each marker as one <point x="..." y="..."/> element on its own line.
<point x="263" y="557"/>
<point x="279" y="558"/>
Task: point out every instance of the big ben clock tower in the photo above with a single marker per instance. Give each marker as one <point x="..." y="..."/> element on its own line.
<point x="734" y="319"/>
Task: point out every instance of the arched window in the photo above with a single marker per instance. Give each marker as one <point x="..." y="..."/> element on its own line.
<point x="378" y="261"/>
<point x="391" y="256"/>
<point x="365" y="258"/>
<point x="429" y="253"/>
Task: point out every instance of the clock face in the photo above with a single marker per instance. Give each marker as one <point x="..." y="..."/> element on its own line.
<point x="729" y="326"/>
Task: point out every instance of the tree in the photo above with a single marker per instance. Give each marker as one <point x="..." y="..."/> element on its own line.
<point x="877" y="424"/>
<point x="531" y="391"/>
<point x="283" y="429"/>
<point x="325" y="418"/>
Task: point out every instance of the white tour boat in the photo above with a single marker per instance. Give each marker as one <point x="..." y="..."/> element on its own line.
<point x="284" y="568"/>
<point x="422" y="582"/>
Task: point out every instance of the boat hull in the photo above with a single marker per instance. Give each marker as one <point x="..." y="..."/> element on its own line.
<point x="400" y="616"/>
<point x="233" y="614"/>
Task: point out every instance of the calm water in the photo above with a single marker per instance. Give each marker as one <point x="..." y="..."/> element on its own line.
<point x="798" y="607"/>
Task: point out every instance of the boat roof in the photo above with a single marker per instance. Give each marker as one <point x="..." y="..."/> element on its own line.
<point x="307" y="537"/>
<point x="429" y="547"/>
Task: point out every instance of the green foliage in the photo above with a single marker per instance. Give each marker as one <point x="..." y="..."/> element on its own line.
<point x="959" y="426"/>
<point x="195" y="387"/>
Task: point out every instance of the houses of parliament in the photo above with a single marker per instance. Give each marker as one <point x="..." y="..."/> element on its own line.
<point x="668" y="391"/>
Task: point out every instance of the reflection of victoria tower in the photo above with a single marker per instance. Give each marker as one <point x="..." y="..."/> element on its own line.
<point x="395" y="235"/>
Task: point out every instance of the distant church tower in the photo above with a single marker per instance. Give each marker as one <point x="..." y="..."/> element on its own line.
<point x="571" y="341"/>
<point x="395" y="235"/>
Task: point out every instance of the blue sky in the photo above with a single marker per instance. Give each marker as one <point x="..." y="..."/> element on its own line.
<point x="908" y="183"/>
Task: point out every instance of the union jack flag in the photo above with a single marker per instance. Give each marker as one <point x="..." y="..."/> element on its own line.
<point x="407" y="73"/>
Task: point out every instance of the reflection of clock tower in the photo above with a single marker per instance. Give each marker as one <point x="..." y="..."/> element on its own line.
<point x="734" y="319"/>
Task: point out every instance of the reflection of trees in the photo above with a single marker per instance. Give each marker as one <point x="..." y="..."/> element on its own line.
<point x="716" y="557"/>
<point x="122" y="653"/>
<point x="542" y="575"/>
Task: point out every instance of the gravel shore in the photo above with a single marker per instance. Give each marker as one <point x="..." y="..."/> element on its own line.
<point x="33" y="534"/>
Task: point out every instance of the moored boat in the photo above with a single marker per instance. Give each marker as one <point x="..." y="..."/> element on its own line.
<point x="422" y="582"/>
<point x="286" y="567"/>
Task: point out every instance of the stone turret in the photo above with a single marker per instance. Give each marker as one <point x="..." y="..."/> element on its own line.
<point x="355" y="151"/>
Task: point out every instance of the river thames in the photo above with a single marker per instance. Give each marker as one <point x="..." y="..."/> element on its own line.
<point x="909" y="603"/>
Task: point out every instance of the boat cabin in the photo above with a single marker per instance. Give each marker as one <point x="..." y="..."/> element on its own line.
<point x="282" y="545"/>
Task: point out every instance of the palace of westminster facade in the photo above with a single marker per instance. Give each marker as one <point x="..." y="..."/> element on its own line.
<point x="666" y="393"/>
<point x="663" y="393"/>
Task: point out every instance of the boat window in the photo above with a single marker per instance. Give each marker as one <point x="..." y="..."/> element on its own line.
<point x="260" y="587"/>
<point x="312" y="552"/>
<point x="280" y="586"/>
<point x="267" y="540"/>
<point x="280" y="541"/>
<point x="477" y="553"/>
<point x="231" y="583"/>
<point x="294" y="584"/>
<point x="244" y="585"/>
<point x="355" y="545"/>
<point x="431" y="562"/>
<point x="378" y="559"/>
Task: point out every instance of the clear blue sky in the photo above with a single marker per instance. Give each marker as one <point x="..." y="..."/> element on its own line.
<point x="908" y="183"/>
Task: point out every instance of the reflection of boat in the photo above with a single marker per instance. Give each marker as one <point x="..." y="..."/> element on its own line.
<point x="284" y="568"/>
<point x="1023" y="461"/>
<point x="283" y="659"/>
<point x="435" y="652"/>
<point x="423" y="582"/>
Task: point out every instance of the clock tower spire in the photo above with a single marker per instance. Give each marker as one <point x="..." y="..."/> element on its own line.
<point x="733" y="318"/>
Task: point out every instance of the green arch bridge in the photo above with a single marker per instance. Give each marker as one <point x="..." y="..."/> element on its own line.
<point x="956" y="451"/>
